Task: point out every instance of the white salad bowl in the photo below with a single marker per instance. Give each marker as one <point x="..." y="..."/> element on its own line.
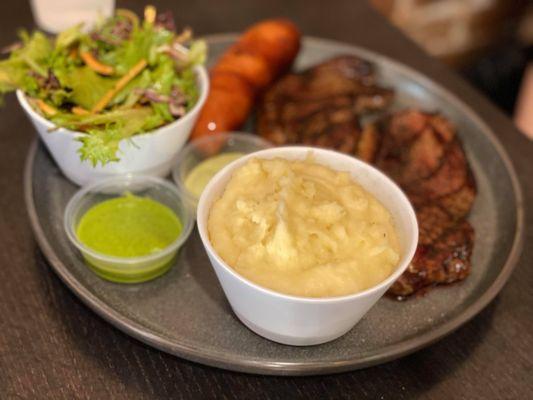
<point x="299" y="320"/>
<point x="151" y="153"/>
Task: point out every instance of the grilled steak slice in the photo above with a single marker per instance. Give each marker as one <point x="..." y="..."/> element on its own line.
<point x="422" y="153"/>
<point x="321" y="106"/>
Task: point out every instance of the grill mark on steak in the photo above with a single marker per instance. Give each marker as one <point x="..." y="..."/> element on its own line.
<point x="419" y="150"/>
<point x="433" y="221"/>
<point x="449" y="177"/>
<point x="447" y="261"/>
<point x="459" y="203"/>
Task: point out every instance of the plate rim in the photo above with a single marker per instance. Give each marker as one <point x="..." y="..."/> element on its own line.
<point x="257" y="366"/>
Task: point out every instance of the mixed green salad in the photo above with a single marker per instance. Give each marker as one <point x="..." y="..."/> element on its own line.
<point x="123" y="77"/>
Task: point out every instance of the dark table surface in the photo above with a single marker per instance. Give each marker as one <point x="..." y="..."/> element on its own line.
<point x="52" y="346"/>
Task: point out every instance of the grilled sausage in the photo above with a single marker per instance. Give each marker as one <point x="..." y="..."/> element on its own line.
<point x="262" y="53"/>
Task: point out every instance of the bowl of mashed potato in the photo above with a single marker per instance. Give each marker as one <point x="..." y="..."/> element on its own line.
<point x="304" y="241"/>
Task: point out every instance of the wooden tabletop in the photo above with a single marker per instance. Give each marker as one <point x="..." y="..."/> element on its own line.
<point x="52" y="346"/>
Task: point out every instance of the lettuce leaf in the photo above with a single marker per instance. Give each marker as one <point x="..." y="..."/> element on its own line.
<point x="186" y="81"/>
<point x="101" y="142"/>
<point x="142" y="44"/>
<point x="33" y="56"/>
<point x="86" y="86"/>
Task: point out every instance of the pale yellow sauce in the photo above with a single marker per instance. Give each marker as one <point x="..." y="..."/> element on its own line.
<point x="200" y="175"/>
<point x="303" y="229"/>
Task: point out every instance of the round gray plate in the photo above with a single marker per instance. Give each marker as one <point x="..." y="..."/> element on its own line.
<point x="185" y="312"/>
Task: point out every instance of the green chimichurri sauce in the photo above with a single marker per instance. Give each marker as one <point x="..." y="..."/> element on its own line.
<point x="128" y="226"/>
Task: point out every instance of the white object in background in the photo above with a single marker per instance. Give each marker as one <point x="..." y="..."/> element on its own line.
<point x="55" y="16"/>
<point x="441" y="27"/>
<point x="304" y="321"/>
<point x="150" y="153"/>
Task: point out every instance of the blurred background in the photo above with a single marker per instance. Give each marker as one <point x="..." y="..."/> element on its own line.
<point x="489" y="42"/>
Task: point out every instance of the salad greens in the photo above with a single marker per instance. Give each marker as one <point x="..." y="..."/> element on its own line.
<point x="124" y="77"/>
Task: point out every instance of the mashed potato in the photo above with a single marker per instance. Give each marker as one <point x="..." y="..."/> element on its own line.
<point x="303" y="229"/>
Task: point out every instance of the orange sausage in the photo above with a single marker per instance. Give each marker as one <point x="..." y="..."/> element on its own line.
<point x="234" y="100"/>
<point x="262" y="54"/>
<point x="277" y="41"/>
<point x="230" y="98"/>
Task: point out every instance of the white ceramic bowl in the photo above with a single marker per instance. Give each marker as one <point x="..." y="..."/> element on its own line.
<point x="300" y="320"/>
<point x="151" y="154"/>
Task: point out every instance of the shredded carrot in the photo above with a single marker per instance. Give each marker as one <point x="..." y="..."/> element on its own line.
<point x="96" y="65"/>
<point x="45" y="108"/>
<point x="132" y="73"/>
<point x="149" y="14"/>
<point x="79" y="110"/>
